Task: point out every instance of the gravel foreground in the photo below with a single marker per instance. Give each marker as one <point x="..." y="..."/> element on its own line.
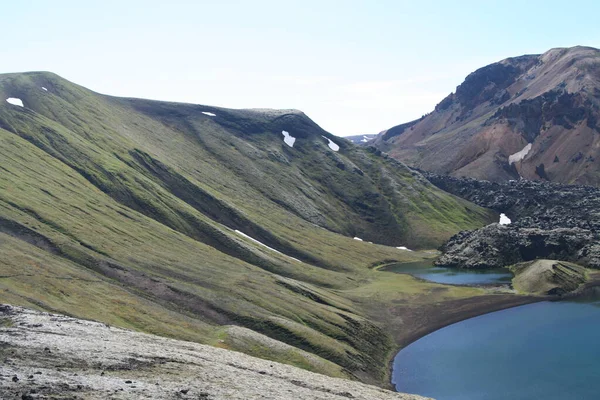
<point x="46" y="356"/>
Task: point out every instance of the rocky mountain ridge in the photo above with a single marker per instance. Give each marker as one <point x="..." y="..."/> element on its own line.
<point x="533" y="116"/>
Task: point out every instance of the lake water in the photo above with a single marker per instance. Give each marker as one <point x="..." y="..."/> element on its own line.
<point x="548" y="350"/>
<point x="426" y="270"/>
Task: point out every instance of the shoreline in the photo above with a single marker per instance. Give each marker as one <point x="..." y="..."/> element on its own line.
<point x="441" y="315"/>
<point x="419" y="321"/>
<point x="470" y="311"/>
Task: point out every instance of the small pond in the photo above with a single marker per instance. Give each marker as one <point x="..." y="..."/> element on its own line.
<point x="426" y="270"/>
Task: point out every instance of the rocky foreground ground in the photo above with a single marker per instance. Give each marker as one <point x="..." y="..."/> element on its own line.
<point x="549" y="221"/>
<point x="45" y="356"/>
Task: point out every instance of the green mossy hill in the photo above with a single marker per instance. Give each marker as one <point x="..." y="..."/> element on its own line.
<point x="126" y="211"/>
<point x="548" y="277"/>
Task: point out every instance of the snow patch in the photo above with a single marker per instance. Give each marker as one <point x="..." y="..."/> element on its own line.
<point x="256" y="241"/>
<point x="331" y="144"/>
<point x="209" y="114"/>
<point x="365" y="140"/>
<point x="15" y="102"/>
<point x="403" y="248"/>
<point x="519" y="155"/>
<point x="504" y="220"/>
<point x="264" y="245"/>
<point x="43" y="88"/>
<point x="359" y="239"/>
<point x="288" y="139"/>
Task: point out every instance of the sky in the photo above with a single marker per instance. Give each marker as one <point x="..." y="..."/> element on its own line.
<point x="354" y="67"/>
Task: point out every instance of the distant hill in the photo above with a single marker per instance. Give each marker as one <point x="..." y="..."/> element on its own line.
<point x="184" y="219"/>
<point x="361" y="139"/>
<point x="534" y="116"/>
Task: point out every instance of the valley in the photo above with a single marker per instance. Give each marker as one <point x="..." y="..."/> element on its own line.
<point x="299" y="200"/>
<point x="187" y="220"/>
<point x="255" y="231"/>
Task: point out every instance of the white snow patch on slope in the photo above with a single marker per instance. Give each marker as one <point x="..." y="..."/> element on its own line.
<point x="403" y="248"/>
<point x="519" y="155"/>
<point x="43" y="88"/>
<point x="288" y="139"/>
<point x="359" y="239"/>
<point x="365" y="140"/>
<point x="504" y="220"/>
<point x="15" y="102"/>
<point x="256" y="241"/>
<point x="209" y="114"/>
<point x="331" y="144"/>
<point x="264" y="245"/>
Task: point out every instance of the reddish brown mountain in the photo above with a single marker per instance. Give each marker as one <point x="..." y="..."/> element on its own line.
<point x="534" y="116"/>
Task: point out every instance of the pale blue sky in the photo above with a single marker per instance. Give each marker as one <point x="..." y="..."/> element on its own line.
<point x="353" y="66"/>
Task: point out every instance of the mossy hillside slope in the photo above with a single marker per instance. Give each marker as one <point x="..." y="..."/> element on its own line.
<point x="548" y="277"/>
<point x="125" y="211"/>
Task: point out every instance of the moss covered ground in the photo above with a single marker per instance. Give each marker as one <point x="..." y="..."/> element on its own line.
<point x="125" y="211"/>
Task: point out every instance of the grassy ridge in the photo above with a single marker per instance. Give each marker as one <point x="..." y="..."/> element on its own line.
<point x="125" y="211"/>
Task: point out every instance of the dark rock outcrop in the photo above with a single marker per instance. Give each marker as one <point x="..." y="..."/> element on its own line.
<point x="556" y="107"/>
<point x="530" y="204"/>
<point x="496" y="246"/>
<point x="490" y="82"/>
<point x="549" y="221"/>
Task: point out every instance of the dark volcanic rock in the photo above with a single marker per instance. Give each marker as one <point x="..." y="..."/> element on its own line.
<point x="530" y="204"/>
<point x="548" y="221"/>
<point x="496" y="246"/>
<point x="490" y="81"/>
<point x="556" y="107"/>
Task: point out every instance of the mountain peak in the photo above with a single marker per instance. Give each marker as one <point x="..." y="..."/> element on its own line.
<point x="549" y="102"/>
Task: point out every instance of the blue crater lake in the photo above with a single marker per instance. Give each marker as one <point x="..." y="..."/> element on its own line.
<point x="547" y="350"/>
<point x="426" y="270"/>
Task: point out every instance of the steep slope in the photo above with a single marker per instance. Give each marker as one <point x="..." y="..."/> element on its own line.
<point x="181" y="219"/>
<point x="534" y="116"/>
